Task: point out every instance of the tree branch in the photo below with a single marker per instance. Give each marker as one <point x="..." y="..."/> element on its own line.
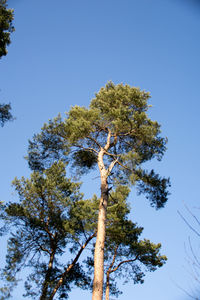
<point x="63" y="275"/>
<point x="124" y="166"/>
<point x="111" y="166"/>
<point x="188" y="224"/>
<point x="87" y="149"/>
<point x="113" y="261"/>
<point x="107" y="146"/>
<point x="123" y="262"/>
<point x="95" y="141"/>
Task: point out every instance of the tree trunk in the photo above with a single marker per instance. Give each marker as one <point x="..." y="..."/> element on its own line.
<point x="107" y="285"/>
<point x="110" y="270"/>
<point x="99" y="247"/>
<point x="101" y="234"/>
<point x="47" y="277"/>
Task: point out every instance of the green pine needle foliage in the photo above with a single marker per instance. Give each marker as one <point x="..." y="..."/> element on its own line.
<point x="47" y="223"/>
<point x="121" y="111"/>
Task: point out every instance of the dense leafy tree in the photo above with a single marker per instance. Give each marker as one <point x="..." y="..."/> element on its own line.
<point x="45" y="223"/>
<point x="6" y="26"/>
<point x="115" y="134"/>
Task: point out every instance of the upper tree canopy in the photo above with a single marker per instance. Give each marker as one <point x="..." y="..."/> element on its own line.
<point x="115" y="124"/>
<point x="6" y="26"/>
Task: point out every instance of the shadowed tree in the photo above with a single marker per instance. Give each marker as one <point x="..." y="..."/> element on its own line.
<point x="46" y="226"/>
<point x="116" y="135"/>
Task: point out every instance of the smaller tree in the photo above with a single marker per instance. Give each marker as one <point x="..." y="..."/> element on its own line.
<point x="46" y="227"/>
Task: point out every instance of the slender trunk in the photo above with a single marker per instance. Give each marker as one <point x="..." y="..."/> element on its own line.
<point x="101" y="227"/>
<point x="68" y="269"/>
<point x="110" y="270"/>
<point x="47" y="277"/>
<point x="108" y="274"/>
<point x="101" y="234"/>
<point x="107" y="285"/>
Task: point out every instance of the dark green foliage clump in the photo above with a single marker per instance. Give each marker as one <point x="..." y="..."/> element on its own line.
<point x="6" y="26"/>
<point x="154" y="187"/>
<point x="123" y="239"/>
<point x="84" y="160"/>
<point x="5" y="114"/>
<point x="47" y="147"/>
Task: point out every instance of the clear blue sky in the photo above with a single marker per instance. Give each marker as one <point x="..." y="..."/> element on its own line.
<point x="63" y="52"/>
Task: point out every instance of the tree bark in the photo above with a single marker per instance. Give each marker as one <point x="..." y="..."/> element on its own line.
<point x="108" y="274"/>
<point x="101" y="233"/>
<point x="107" y="285"/>
<point x="47" y="277"/>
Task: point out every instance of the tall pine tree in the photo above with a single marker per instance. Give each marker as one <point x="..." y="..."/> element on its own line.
<point x="115" y="135"/>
